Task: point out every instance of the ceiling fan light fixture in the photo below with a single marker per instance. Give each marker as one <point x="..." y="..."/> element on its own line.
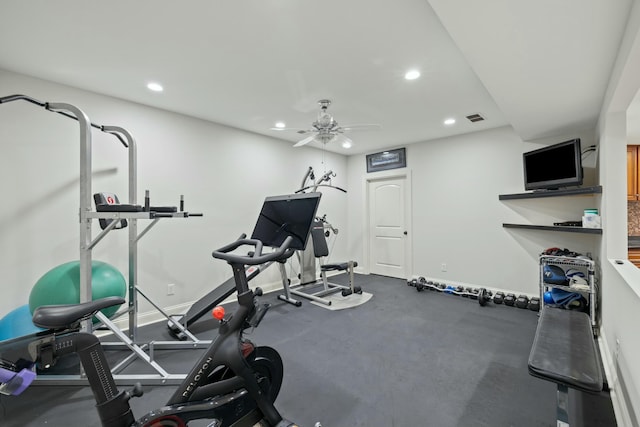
<point x="412" y="74"/>
<point x="325" y="129"/>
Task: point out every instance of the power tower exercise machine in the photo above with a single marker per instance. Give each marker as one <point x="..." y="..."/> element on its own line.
<point x="113" y="217"/>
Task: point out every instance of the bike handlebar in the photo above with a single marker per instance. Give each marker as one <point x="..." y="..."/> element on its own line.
<point x="255" y="257"/>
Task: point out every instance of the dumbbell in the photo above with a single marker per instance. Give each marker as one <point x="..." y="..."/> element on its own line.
<point x="522" y="301"/>
<point x="534" y="304"/>
<point x="498" y="298"/>
<point x="510" y="300"/>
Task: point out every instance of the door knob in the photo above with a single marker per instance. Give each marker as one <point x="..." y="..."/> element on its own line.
<point x="405" y="233"/>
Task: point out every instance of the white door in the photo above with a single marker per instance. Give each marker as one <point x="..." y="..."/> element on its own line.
<point x="389" y="248"/>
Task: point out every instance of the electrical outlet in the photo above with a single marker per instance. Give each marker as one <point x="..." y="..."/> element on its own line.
<point x="444" y="266"/>
<point x="171" y="289"/>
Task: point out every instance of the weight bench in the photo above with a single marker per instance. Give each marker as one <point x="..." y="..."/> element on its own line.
<point x="320" y="251"/>
<point x="565" y="352"/>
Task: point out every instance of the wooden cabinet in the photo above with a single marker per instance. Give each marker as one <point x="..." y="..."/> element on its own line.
<point x="632" y="172"/>
<point x="634" y="256"/>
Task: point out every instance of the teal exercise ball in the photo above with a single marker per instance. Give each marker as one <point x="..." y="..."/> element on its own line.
<point x="17" y="323"/>
<point x="61" y="285"/>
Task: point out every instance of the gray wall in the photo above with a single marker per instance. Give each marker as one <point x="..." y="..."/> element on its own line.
<point x="457" y="217"/>
<point x="224" y="173"/>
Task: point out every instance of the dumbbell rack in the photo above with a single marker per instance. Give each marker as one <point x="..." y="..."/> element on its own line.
<point x="587" y="267"/>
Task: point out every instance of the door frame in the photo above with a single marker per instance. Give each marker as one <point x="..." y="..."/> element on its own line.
<point x="408" y="214"/>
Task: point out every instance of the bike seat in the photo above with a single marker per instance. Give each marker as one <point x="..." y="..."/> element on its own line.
<point x="63" y="316"/>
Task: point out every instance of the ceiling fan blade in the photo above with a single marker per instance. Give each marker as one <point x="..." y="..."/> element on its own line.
<point x="299" y="130"/>
<point x="305" y="141"/>
<point x="342" y="139"/>
<point x="360" y="127"/>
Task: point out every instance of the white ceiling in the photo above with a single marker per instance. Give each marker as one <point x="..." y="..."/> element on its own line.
<point x="540" y="66"/>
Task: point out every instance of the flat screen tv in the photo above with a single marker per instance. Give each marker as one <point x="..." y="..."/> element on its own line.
<point x="289" y="215"/>
<point x="553" y="167"/>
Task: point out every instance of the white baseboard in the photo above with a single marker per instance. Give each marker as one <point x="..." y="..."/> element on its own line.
<point x="616" y="388"/>
<point x="148" y="317"/>
<point x="154" y="316"/>
<point x="474" y="285"/>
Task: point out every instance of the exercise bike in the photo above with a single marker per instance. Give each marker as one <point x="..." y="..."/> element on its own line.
<point x="234" y="383"/>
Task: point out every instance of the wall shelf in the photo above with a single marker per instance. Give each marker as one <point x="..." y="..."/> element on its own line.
<point x="583" y="191"/>
<point x="555" y="228"/>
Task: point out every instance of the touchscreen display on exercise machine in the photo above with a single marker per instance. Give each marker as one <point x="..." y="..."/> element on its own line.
<point x="289" y="215"/>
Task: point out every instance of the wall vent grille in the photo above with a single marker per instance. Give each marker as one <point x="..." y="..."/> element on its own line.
<point x="475" y="118"/>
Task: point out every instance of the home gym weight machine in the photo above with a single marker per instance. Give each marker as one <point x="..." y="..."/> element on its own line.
<point x="139" y="351"/>
<point x="179" y="322"/>
<point x="306" y="259"/>
<point x="320" y="229"/>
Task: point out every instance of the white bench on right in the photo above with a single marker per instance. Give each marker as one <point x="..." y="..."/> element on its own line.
<point x="564" y="351"/>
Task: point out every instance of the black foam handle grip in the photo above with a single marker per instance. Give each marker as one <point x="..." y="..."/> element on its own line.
<point x="256" y="257"/>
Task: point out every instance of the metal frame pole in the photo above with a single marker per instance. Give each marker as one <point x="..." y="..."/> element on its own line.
<point x="133" y="230"/>
<point x="85" y="201"/>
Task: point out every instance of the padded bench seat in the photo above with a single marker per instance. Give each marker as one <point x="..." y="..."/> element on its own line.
<point x="564" y="351"/>
<point x="343" y="266"/>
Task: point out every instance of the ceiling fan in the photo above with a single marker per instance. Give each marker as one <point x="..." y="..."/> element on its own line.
<point x="326" y="129"/>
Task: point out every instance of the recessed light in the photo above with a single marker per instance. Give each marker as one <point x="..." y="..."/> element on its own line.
<point x="156" y="87"/>
<point x="412" y="74"/>
<point x="280" y="125"/>
<point x="346" y="144"/>
<point x="449" y="122"/>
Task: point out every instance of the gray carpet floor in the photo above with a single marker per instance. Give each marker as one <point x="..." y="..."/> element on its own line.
<point x="402" y="359"/>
